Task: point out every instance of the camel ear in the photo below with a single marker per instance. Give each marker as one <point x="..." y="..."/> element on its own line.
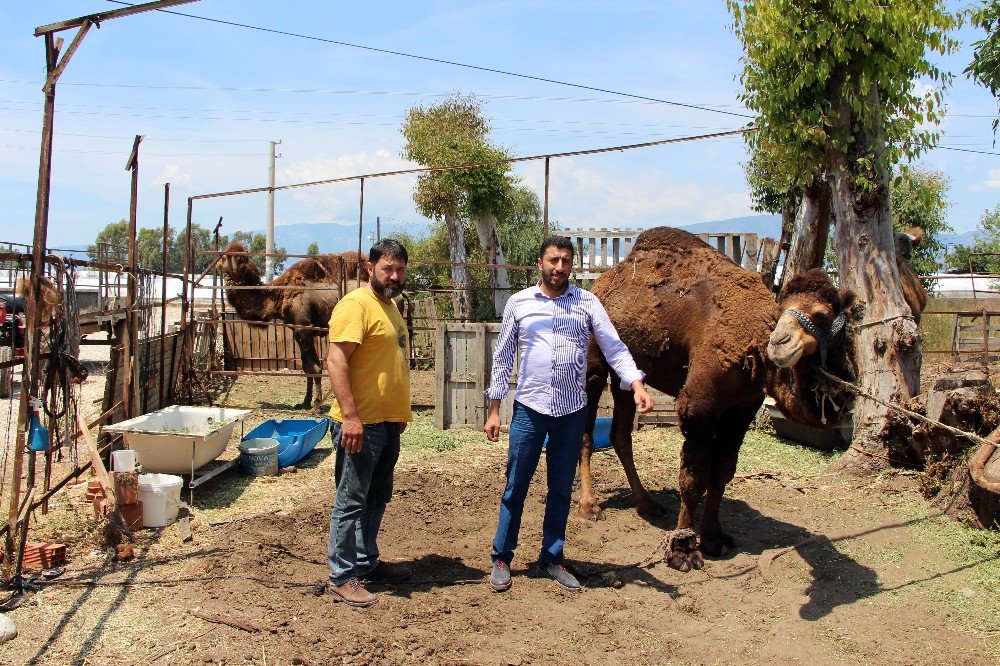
<point x="916" y="234"/>
<point x="847" y="300"/>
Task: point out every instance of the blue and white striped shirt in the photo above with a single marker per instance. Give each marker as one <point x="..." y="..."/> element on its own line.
<point x="552" y="335"/>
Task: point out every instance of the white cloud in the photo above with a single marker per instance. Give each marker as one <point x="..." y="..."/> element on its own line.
<point x="584" y="197"/>
<point x="339" y="201"/>
<point x="992" y="179"/>
<point x="175" y="175"/>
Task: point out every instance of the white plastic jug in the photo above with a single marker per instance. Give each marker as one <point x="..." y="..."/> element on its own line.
<point x="124" y="461"/>
<point x="160" y="495"/>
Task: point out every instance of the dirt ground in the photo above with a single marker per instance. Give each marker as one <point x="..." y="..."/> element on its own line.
<point x="919" y="591"/>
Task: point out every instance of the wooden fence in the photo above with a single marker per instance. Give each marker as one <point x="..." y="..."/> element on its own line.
<point x="597" y="250"/>
<point x="462" y="363"/>
<point x="148" y="395"/>
<point x="975" y="336"/>
<point x="263" y="345"/>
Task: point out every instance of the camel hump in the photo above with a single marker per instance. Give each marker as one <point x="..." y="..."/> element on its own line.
<point x="667" y="238"/>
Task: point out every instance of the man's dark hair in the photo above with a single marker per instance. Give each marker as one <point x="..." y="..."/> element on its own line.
<point x="387" y="247"/>
<point x="559" y="242"/>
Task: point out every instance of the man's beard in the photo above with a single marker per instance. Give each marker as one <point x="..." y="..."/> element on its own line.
<point x="385" y="290"/>
<point x="548" y="279"/>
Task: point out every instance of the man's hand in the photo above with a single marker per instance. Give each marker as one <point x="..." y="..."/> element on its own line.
<point x="352" y="434"/>
<point x="492" y="427"/>
<point x="402" y="427"/>
<point x="643" y="401"/>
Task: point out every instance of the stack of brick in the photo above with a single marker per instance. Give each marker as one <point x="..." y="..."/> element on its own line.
<point x="44" y="555"/>
<point x="127" y="493"/>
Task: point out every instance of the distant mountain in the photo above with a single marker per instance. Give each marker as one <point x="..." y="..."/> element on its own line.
<point x="331" y="237"/>
<point x="762" y="225"/>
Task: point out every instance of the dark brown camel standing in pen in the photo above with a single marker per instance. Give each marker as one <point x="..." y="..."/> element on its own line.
<point x="708" y="332"/>
<point x="322" y="280"/>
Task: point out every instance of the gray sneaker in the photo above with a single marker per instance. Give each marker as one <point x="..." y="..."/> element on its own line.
<point x="561" y="576"/>
<point x="500" y="576"/>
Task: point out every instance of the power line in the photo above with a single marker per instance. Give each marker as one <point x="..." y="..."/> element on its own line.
<point x="347" y="91"/>
<point x="453" y="63"/>
<point x="126" y="152"/>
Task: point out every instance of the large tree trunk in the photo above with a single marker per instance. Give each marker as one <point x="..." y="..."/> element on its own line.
<point x="462" y="296"/>
<point x="887" y="347"/>
<point x="486" y="227"/>
<point x="810" y="231"/>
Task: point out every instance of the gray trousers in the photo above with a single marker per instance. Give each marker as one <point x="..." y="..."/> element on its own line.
<point x="364" y="487"/>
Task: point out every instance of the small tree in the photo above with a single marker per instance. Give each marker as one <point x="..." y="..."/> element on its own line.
<point x="313" y="249"/>
<point x="451" y="133"/>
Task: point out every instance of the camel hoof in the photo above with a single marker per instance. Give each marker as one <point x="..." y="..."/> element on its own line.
<point x="682" y="551"/>
<point x="590" y="511"/>
<point x="649" y="509"/>
<point x="718" y="546"/>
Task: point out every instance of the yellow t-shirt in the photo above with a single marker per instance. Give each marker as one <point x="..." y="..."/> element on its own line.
<point x="380" y="365"/>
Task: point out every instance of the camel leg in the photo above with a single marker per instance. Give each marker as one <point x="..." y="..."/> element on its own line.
<point x="621" y="438"/>
<point x="310" y="364"/>
<point x="589" y="508"/>
<point x="697" y="422"/>
<point x="729" y="437"/>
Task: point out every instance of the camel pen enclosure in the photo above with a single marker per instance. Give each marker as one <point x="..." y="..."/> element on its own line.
<point x="820" y="557"/>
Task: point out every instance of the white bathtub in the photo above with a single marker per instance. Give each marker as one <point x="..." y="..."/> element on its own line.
<point x="179" y="439"/>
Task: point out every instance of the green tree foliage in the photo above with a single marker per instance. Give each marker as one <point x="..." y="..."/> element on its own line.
<point x="313" y="249"/>
<point x="520" y="230"/>
<point x="456" y="132"/>
<point x="111" y="244"/>
<point x="802" y="56"/>
<point x="149" y="244"/>
<point x="919" y="198"/>
<point x="985" y="66"/>
<point x="987" y="241"/>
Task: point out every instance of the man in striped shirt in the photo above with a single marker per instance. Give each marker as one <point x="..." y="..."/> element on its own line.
<point x="551" y="325"/>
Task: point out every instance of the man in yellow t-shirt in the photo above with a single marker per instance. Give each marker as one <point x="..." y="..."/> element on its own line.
<point x="369" y="366"/>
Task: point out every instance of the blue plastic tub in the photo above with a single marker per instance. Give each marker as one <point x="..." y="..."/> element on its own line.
<point x="602" y="433"/>
<point x="296" y="437"/>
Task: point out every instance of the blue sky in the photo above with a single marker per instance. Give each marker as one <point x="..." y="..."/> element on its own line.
<point x="209" y="97"/>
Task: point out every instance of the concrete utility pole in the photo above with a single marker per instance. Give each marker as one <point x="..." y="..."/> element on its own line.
<point x="269" y="247"/>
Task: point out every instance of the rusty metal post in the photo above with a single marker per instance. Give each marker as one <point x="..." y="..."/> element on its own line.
<point x="361" y="227"/>
<point x="163" y="290"/>
<point x="986" y="341"/>
<point x="215" y="312"/>
<point x="187" y="266"/>
<point x="545" y="214"/>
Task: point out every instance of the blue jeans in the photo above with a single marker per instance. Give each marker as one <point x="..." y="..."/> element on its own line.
<point x="364" y="487"/>
<point x="527" y="433"/>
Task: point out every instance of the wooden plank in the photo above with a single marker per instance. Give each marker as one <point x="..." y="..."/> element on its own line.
<point x="751" y="250"/>
<point x="441" y="378"/>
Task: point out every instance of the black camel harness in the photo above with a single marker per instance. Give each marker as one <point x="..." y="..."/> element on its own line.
<point x="823" y="338"/>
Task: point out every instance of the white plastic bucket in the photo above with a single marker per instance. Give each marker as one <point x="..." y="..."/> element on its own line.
<point x="160" y="495"/>
<point x="124" y="460"/>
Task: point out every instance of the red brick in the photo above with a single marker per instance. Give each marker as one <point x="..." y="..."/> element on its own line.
<point x="132" y="515"/>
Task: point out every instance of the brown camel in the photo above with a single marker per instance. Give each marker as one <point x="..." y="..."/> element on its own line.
<point x="323" y="278"/>
<point x="708" y="332"/>
<point x="913" y="288"/>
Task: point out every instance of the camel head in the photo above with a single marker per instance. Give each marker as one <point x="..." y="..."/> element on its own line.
<point x="238" y="266"/>
<point x="812" y="321"/>
<point x="907" y="240"/>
